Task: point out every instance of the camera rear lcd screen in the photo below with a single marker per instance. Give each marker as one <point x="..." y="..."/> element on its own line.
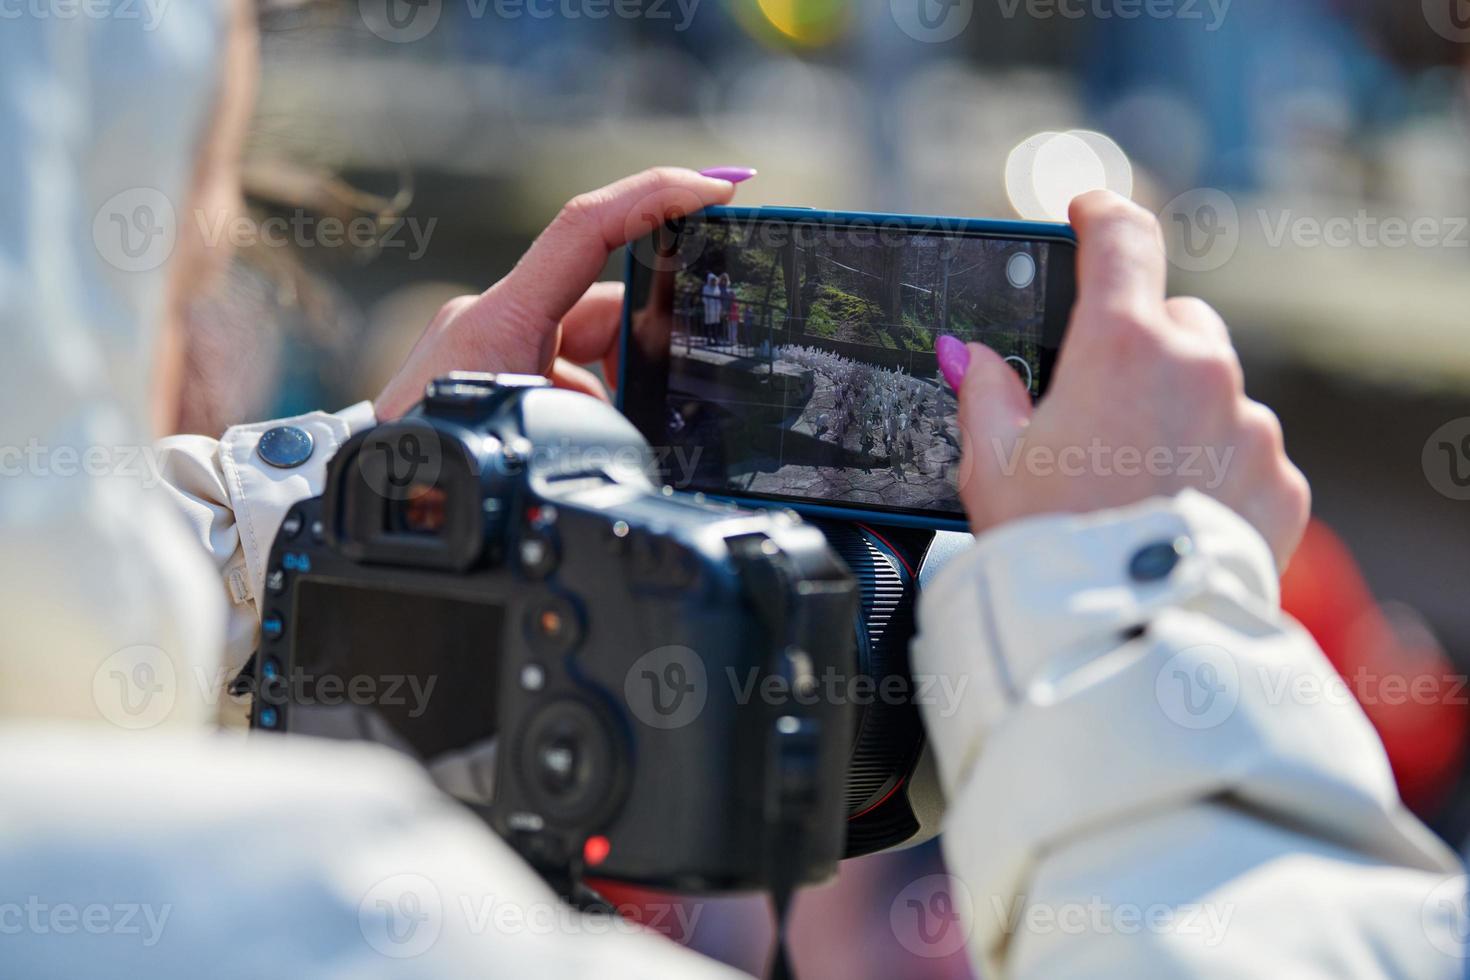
<point x="795" y="361"/>
<point x="426" y="665"/>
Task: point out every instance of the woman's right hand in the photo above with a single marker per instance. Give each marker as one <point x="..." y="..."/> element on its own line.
<point x="1147" y="400"/>
<point x="549" y="315"/>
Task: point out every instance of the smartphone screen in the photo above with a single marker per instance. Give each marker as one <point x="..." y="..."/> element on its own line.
<point x="790" y="359"/>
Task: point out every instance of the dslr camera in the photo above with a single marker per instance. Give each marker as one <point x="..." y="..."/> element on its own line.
<point x="625" y="681"/>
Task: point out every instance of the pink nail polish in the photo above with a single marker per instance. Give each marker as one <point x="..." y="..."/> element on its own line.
<point x="954" y="359"/>
<point x="734" y="175"/>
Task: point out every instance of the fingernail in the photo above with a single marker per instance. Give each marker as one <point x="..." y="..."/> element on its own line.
<point x="954" y="359"/>
<point x="734" y="175"/>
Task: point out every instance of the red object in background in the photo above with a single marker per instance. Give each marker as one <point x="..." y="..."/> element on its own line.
<point x="647" y="907"/>
<point x="1409" y="689"/>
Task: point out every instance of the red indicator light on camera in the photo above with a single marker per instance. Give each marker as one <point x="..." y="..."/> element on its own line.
<point x="594" y="851"/>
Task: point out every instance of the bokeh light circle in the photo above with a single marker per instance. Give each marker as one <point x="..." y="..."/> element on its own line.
<point x="1046" y="171"/>
<point x="811" y="23"/>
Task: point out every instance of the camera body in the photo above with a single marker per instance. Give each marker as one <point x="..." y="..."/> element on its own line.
<point x="624" y="681"/>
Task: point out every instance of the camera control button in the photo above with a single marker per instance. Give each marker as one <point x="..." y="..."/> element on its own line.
<point x="533" y="677"/>
<point x="293" y="523"/>
<point x="538" y="554"/>
<point x="275" y="581"/>
<point x="458" y="391"/>
<point x="285" y="447"/>
<point x="1155" y="562"/>
<point x="272" y="626"/>
<point x="554" y="626"/>
<point x="569" y="760"/>
<point x="560" y="764"/>
<point x="468" y="388"/>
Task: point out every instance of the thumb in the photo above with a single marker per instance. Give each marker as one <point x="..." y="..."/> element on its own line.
<point x="995" y="409"/>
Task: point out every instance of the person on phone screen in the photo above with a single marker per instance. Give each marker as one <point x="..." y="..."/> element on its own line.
<point x="1114" y="748"/>
<point x="727" y="310"/>
<point x="713" y="308"/>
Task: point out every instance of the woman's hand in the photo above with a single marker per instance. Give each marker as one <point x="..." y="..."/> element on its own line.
<point x="1148" y="399"/>
<point x="549" y="315"/>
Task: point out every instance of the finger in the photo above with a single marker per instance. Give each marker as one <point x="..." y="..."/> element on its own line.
<point x="574" y="377"/>
<point x="1279" y="509"/>
<point x="1198" y="317"/>
<point x="610" y="366"/>
<point x="1297" y="514"/>
<point x="589" y="331"/>
<point x="571" y="253"/>
<point x="1198" y="320"/>
<point x="995" y="407"/>
<point x="1120" y="258"/>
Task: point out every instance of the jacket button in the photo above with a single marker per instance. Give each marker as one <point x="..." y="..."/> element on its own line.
<point x="1156" y="561"/>
<point x="285" y="446"/>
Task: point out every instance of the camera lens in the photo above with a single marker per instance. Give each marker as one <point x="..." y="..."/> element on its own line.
<point x="889" y="733"/>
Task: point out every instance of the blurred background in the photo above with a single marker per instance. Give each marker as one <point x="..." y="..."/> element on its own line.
<point x="1308" y="159"/>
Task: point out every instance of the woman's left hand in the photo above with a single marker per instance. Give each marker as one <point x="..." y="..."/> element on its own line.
<point x="549" y="315"/>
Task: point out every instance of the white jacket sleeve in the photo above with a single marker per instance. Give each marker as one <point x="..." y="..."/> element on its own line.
<point x="235" y="502"/>
<point x="185" y="856"/>
<point x="1147" y="772"/>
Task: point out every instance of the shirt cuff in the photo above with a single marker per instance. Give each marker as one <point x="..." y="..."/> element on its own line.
<point x="262" y="492"/>
<point x="1049" y="589"/>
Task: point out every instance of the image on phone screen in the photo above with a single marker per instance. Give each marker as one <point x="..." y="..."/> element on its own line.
<point x="795" y="361"/>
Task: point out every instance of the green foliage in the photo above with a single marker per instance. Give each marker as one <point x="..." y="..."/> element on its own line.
<point x="821" y="324"/>
<point x="844" y="316"/>
<point x="844" y="307"/>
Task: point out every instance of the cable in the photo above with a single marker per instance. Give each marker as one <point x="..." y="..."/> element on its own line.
<point x="781" y="968"/>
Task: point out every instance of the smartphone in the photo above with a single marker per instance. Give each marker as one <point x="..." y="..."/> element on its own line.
<point x="785" y="356"/>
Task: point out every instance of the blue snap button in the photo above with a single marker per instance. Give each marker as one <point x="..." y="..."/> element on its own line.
<point x="285" y="446"/>
<point x="1156" y="561"/>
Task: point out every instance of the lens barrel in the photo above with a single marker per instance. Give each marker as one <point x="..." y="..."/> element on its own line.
<point x="889" y="736"/>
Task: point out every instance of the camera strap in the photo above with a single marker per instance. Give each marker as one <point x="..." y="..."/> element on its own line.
<point x="781" y="968"/>
<point x="794" y="742"/>
<point x="795" y="748"/>
<point x="788" y="832"/>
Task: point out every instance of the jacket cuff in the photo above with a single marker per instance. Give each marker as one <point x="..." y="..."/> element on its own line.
<point x="1045" y="590"/>
<point x="262" y="491"/>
